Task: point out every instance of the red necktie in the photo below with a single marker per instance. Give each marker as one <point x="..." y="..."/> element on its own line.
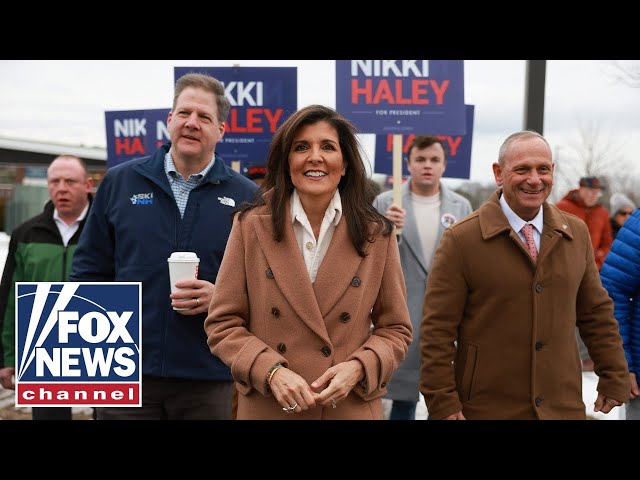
<point x="527" y="230"/>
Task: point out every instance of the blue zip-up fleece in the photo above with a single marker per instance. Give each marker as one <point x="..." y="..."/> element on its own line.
<point x="132" y="228"/>
<point x="621" y="277"/>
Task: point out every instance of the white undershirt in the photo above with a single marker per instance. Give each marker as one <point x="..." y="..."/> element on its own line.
<point x="427" y="212"/>
<point x="67" y="231"/>
<point x="313" y="252"/>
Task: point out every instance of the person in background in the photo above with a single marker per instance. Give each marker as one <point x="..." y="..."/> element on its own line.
<point x="507" y="287"/>
<point x="621" y="277"/>
<point x="583" y="203"/>
<point x="41" y="250"/>
<point x="257" y="174"/>
<point x="192" y="195"/>
<point x="374" y="189"/>
<point x="621" y="207"/>
<point x="429" y="208"/>
<point x="312" y="316"/>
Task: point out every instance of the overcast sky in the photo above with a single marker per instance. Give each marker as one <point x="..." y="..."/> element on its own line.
<point x="64" y="101"/>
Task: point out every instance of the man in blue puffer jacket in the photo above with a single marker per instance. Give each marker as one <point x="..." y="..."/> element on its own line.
<point x="621" y="277"/>
<point x="179" y="199"/>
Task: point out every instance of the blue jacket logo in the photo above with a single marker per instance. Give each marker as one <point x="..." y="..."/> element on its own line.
<point x="142" y="199"/>
<point x="230" y="202"/>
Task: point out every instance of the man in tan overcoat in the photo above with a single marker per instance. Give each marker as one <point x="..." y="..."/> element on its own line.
<point x="507" y="288"/>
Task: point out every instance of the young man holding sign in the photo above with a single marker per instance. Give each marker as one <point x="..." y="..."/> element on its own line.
<point x="429" y="208"/>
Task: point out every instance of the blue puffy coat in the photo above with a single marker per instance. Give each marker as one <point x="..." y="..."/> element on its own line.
<point x="621" y="277"/>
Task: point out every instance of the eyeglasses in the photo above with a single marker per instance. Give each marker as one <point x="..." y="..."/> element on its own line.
<point x="625" y="213"/>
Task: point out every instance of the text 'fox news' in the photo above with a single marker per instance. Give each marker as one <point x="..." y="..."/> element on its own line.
<point x="78" y="343"/>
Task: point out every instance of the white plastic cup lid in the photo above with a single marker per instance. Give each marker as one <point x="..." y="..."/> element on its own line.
<point x="183" y="257"/>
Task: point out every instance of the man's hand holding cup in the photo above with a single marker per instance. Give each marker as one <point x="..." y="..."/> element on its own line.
<point x="189" y="296"/>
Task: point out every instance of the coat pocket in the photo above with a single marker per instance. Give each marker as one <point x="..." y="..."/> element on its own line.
<point x="469" y="375"/>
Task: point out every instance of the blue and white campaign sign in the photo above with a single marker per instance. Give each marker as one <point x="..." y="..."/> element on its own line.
<point x="261" y="99"/>
<point x="134" y="133"/>
<point x="457" y="148"/>
<point x="78" y="343"/>
<point x="402" y="96"/>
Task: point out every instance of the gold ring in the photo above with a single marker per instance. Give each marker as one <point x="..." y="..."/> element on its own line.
<point x="333" y="403"/>
<point x="197" y="302"/>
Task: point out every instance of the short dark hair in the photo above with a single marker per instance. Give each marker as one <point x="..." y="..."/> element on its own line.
<point x="208" y="84"/>
<point x="424" y="141"/>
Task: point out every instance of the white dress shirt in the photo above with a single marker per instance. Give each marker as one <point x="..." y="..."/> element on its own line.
<point x="517" y="223"/>
<point x="314" y="251"/>
<point x="67" y="231"/>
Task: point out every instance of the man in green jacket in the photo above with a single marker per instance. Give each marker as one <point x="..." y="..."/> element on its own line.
<point x="41" y="250"/>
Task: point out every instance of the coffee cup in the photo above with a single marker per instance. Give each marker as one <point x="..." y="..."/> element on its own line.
<point x="182" y="266"/>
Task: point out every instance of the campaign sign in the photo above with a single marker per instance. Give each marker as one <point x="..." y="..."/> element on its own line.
<point x="261" y="99"/>
<point x="456" y="147"/>
<point x="78" y="343"/>
<point x="134" y="133"/>
<point x="402" y="96"/>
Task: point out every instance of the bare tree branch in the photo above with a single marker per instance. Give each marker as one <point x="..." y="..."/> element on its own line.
<point x="624" y="71"/>
<point x="594" y="154"/>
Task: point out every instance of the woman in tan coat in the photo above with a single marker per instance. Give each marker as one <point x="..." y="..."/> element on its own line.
<point x="310" y="307"/>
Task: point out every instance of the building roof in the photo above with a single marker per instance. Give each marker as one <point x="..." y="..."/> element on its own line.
<point x="15" y="150"/>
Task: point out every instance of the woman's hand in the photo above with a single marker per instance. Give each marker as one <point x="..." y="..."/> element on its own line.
<point x="290" y="389"/>
<point x="336" y="383"/>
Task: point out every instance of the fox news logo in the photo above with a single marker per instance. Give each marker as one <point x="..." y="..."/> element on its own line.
<point x="78" y="343"/>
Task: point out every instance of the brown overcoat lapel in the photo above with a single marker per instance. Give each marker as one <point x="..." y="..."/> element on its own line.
<point x="314" y="301"/>
<point x="290" y="272"/>
<point x="337" y="269"/>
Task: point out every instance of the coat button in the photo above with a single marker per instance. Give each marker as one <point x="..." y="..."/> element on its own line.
<point x="539" y="288"/>
<point x="269" y="273"/>
<point x="345" y="317"/>
<point x="309" y="245"/>
<point x="539" y="401"/>
<point x="326" y="351"/>
<point x="539" y="346"/>
<point x="282" y="348"/>
<point x="275" y="312"/>
<point x="355" y="281"/>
